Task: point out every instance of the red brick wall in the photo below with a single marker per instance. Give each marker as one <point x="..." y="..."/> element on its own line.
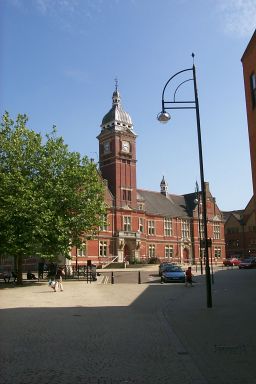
<point x="249" y="66"/>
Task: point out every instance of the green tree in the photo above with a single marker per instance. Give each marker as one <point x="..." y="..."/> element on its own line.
<point x="50" y="198"/>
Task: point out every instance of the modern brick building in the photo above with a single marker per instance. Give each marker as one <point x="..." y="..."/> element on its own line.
<point x="249" y="70"/>
<point x="240" y="226"/>
<point x="140" y="224"/>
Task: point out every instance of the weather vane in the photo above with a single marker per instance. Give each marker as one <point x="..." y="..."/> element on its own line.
<point x="116" y="83"/>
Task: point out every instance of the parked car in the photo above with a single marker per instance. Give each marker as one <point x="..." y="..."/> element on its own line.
<point x="248" y="263"/>
<point x="229" y="262"/>
<point x="173" y="274"/>
<point x="163" y="266"/>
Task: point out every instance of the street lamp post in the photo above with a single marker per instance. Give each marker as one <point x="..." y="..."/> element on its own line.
<point x="164" y="117"/>
<point x="198" y="202"/>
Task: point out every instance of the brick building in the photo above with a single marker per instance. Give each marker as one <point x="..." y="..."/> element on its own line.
<point x="140" y="224"/>
<point x="249" y="71"/>
<point x="240" y="232"/>
<point x="240" y="226"/>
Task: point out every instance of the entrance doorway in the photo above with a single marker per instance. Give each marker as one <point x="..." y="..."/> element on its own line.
<point x="185" y="256"/>
<point x="127" y="256"/>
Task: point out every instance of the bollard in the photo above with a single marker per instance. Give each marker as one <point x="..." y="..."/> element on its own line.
<point x="139" y="279"/>
<point x="112" y="277"/>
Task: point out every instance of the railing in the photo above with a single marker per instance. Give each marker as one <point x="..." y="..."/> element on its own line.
<point x="110" y="262"/>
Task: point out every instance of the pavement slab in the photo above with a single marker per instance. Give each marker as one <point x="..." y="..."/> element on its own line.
<point x="129" y="333"/>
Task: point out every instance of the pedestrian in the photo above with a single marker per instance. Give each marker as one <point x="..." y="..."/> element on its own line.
<point x="58" y="279"/>
<point x="189" y="277"/>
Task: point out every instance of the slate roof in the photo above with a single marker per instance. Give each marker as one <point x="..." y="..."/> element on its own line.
<point x="238" y="214"/>
<point x="170" y="205"/>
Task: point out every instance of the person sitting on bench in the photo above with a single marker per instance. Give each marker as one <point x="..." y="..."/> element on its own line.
<point x="31" y="276"/>
<point x="7" y="275"/>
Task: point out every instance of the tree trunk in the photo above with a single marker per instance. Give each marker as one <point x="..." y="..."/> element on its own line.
<point x="19" y="269"/>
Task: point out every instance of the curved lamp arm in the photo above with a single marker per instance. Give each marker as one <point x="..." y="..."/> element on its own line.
<point x="168" y="81"/>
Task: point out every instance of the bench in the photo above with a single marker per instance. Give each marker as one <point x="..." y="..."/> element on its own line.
<point x="6" y="276"/>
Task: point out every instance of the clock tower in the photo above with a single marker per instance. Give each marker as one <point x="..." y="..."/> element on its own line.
<point x="117" y="154"/>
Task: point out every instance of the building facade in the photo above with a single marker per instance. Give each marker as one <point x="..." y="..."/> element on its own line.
<point x="240" y="226"/>
<point x="142" y="225"/>
<point x="240" y="232"/>
<point x="249" y="72"/>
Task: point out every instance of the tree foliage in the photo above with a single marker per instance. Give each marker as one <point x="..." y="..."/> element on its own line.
<point x="49" y="197"/>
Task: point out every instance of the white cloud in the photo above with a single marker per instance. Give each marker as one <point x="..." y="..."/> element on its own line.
<point x="238" y="16"/>
<point x="46" y="6"/>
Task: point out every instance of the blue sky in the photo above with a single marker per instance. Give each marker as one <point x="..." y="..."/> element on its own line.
<point x="59" y="59"/>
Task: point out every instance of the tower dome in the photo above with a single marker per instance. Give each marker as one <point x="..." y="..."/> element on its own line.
<point x="117" y="117"/>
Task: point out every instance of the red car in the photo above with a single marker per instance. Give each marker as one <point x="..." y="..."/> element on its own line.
<point x="229" y="262"/>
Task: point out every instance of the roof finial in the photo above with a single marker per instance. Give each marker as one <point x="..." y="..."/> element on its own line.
<point x="116" y="83"/>
<point x="193" y="55"/>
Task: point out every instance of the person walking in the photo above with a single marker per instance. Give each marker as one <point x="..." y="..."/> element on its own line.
<point x="58" y="279"/>
<point x="189" y="277"/>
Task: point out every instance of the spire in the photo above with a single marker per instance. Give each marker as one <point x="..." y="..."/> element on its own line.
<point x="164" y="187"/>
<point x="116" y="95"/>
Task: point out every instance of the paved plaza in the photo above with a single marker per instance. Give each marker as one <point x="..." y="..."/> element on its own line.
<point x="130" y="333"/>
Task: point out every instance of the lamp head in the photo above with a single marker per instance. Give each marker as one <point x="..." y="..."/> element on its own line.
<point x="163" y="117"/>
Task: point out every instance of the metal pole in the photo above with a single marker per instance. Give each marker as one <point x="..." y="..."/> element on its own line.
<point x="199" y="228"/>
<point x="210" y="240"/>
<point x="207" y="267"/>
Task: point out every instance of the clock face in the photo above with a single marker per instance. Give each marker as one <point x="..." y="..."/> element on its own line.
<point x="106" y="147"/>
<point x="125" y="146"/>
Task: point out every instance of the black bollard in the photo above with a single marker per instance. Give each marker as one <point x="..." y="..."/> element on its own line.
<point x="112" y="277"/>
<point x="139" y="279"/>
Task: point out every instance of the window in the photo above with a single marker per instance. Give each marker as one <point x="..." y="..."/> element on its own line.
<point x="253" y="89"/>
<point x="103" y="248"/>
<point x="106" y="145"/>
<point x="185" y="229"/>
<point x="151" y="250"/>
<point x="217" y="252"/>
<point x="216" y="230"/>
<point x="141" y="206"/>
<point x="82" y="250"/>
<point x="127" y="223"/>
<point x="141" y="224"/>
<point x="104" y="224"/>
<point x="168" y="251"/>
<point x="167" y="226"/>
<point x="151" y="227"/>
<point x="127" y="195"/>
